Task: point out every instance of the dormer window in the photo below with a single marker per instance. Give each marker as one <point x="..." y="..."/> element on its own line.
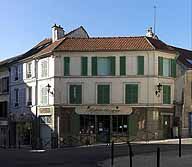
<point x="29" y="70"/>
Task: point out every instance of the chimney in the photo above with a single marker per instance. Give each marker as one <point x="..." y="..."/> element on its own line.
<point x="57" y="32"/>
<point x="150" y="33"/>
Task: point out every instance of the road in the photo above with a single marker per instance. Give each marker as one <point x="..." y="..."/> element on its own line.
<point x="72" y="157"/>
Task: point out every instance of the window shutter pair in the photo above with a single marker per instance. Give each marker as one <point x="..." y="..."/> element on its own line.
<point x="173" y="68"/>
<point x="140" y="65"/>
<point x="75" y="94"/>
<point x="131" y="94"/>
<point x="103" y="94"/>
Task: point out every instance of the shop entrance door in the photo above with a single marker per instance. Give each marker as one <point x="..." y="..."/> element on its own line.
<point x="103" y="128"/>
<point x="166" y="127"/>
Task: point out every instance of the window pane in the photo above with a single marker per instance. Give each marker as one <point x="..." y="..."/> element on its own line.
<point x="166" y="67"/>
<point x="84" y="66"/>
<point x="103" y="66"/>
<point x="75" y="96"/>
<point x="44" y="69"/>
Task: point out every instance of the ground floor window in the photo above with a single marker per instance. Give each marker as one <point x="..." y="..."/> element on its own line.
<point x="120" y="123"/>
<point x="87" y="124"/>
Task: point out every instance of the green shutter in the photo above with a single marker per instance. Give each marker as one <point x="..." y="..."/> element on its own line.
<point x="84" y="64"/>
<point x="160" y="66"/>
<point x="66" y="66"/>
<point x="122" y="65"/>
<point x="173" y="68"/>
<point x="140" y="65"/>
<point x="166" y="94"/>
<point x="94" y="66"/>
<point x="131" y="94"/>
<point x="103" y="94"/>
<point x="78" y="94"/>
<point x="71" y="94"/>
<point x="112" y="65"/>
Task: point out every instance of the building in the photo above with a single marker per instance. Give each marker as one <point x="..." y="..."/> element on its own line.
<point x="4" y="101"/>
<point x="77" y="89"/>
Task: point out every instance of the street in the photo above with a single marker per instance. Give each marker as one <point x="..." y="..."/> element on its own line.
<point x="78" y="156"/>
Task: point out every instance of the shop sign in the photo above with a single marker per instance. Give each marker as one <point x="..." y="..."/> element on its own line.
<point x="44" y="110"/>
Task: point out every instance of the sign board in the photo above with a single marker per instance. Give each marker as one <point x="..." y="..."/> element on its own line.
<point x="44" y="110"/>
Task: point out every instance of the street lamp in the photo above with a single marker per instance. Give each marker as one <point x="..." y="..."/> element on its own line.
<point x="158" y="91"/>
<point x="49" y="89"/>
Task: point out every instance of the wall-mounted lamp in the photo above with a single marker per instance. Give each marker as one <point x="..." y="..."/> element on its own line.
<point x="158" y="91"/>
<point x="49" y="89"/>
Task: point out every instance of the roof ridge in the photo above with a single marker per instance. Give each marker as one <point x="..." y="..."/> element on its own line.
<point x="110" y="37"/>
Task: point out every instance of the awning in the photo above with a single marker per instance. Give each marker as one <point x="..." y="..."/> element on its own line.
<point x="103" y="110"/>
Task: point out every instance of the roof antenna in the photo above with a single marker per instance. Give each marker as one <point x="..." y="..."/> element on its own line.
<point x="154" y="21"/>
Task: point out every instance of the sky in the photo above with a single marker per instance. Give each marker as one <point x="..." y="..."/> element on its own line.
<point x="24" y="23"/>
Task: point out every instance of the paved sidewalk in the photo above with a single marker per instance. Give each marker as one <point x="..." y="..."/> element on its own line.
<point x="168" y="159"/>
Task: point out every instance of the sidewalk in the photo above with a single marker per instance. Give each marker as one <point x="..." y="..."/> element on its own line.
<point x="168" y="159"/>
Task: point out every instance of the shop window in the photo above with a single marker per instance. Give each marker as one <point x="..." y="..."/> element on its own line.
<point x="120" y="124"/>
<point x="155" y="115"/>
<point x="87" y="124"/>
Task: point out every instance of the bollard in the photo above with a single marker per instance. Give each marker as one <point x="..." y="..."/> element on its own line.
<point x="130" y="154"/>
<point x="112" y="153"/>
<point x="158" y="157"/>
<point x="179" y="145"/>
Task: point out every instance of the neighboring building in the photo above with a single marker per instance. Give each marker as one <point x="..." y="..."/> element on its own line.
<point x="86" y="89"/>
<point x="4" y="101"/>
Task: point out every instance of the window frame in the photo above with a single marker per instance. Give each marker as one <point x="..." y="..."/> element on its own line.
<point x="138" y="92"/>
<point x="69" y="95"/>
<point x="42" y="68"/>
<point x="110" y="92"/>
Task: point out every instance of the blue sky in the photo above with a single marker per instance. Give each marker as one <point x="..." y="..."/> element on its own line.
<point x="23" y="23"/>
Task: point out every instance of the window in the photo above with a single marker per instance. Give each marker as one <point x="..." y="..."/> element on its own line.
<point x="29" y="70"/>
<point x="4" y="85"/>
<point x="46" y="119"/>
<point x="166" y="67"/>
<point x="66" y="66"/>
<point x="131" y="93"/>
<point x="75" y="94"/>
<point x="120" y="123"/>
<point x="3" y="109"/>
<point x="166" y="94"/>
<point x="84" y="66"/>
<point x="155" y="115"/>
<point x="122" y="65"/>
<point x="44" y="68"/>
<point x="44" y="96"/>
<point x="103" y="94"/>
<point x="29" y="96"/>
<point x="16" y="73"/>
<point x="140" y="65"/>
<point x="103" y="66"/>
<point x="16" y="97"/>
<point x="87" y="124"/>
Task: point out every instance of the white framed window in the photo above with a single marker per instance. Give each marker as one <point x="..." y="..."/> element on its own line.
<point x="44" y="96"/>
<point x="44" y="68"/>
<point x="29" y="70"/>
<point x="29" y="96"/>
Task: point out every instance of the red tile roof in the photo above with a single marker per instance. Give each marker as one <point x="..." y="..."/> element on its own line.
<point x="104" y="44"/>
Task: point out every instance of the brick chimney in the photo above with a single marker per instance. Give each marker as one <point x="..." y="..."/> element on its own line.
<point x="57" y="32"/>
